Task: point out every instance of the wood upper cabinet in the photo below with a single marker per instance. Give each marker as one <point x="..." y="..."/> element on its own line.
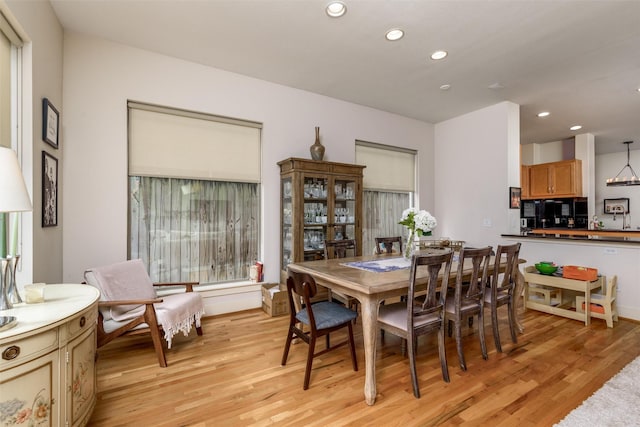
<point x="524" y="181"/>
<point x="556" y="179"/>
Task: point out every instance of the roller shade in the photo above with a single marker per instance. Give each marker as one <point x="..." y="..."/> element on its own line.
<point x="172" y="143"/>
<point x="388" y="168"/>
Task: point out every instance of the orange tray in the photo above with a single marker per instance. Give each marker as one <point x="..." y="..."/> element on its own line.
<point x="579" y="273"/>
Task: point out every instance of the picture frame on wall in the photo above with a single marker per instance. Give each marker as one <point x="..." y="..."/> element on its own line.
<point x="514" y="197"/>
<point x="49" y="190"/>
<point x="50" y="123"/>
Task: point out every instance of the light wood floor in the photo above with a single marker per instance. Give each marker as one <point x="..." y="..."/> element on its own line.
<point x="232" y="376"/>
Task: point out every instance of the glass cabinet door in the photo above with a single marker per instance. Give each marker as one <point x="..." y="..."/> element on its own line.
<point x="316" y="216"/>
<point x="287" y="225"/>
<point x="344" y="218"/>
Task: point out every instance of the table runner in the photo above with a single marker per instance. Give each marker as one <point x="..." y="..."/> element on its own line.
<point x="382" y="265"/>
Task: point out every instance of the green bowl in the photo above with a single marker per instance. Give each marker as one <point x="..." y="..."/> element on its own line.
<point x="546" y="268"/>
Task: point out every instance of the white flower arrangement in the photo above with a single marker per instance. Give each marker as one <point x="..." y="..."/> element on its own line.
<point x="418" y="222"/>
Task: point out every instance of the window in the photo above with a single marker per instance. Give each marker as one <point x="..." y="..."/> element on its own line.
<point x="389" y="183"/>
<point x="194" y="204"/>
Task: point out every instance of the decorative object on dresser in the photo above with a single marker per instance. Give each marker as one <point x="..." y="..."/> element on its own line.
<point x="128" y="300"/>
<point x="317" y="149"/>
<point x="13" y="198"/>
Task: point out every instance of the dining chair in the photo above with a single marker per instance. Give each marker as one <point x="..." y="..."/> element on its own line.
<point x="603" y="304"/>
<point x="341" y="249"/>
<point x="467" y="298"/>
<point x="501" y="287"/>
<point x="321" y="318"/>
<point x="420" y="314"/>
<point x="129" y="305"/>
<point x="385" y="244"/>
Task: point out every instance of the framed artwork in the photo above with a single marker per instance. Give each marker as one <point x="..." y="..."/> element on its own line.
<point x="50" y="123"/>
<point x="49" y="190"/>
<point x="514" y="197"/>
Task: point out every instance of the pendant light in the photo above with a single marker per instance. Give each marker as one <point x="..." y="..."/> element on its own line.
<point x="624" y="180"/>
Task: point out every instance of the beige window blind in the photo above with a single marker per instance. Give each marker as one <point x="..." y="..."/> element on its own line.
<point x="166" y="142"/>
<point x="388" y="168"/>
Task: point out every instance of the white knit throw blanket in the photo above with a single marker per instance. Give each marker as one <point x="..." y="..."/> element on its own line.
<point x="177" y="312"/>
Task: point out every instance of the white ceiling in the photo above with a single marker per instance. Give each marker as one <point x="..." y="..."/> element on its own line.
<point x="580" y="60"/>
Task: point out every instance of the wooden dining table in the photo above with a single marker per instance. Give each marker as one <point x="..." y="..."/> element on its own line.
<point x="370" y="288"/>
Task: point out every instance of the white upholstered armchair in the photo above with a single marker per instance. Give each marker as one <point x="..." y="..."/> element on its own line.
<point x="129" y="304"/>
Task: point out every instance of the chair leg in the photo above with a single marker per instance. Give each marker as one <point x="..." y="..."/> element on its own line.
<point x="287" y="345"/>
<point x="412" y="365"/>
<point x="443" y="354"/>
<point x="307" y="371"/>
<point x="496" y="329"/>
<point x="199" y="330"/>
<point x="512" y="322"/>
<point x="352" y="349"/>
<point x="152" y="321"/>
<point x="458" y="331"/>
<point x="483" y="341"/>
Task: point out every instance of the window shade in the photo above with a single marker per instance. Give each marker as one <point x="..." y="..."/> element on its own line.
<point x="388" y="169"/>
<point x="180" y="144"/>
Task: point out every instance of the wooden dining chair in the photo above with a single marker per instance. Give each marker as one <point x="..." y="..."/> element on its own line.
<point x="341" y="249"/>
<point x="467" y="298"/>
<point x="385" y="244"/>
<point x="501" y="287"/>
<point x="425" y="312"/>
<point x="321" y="318"/>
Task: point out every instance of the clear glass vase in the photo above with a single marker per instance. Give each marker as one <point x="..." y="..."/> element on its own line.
<point x="410" y="247"/>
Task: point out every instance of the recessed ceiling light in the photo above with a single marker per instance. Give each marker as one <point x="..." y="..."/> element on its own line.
<point x="445" y="87"/>
<point x="576" y="127"/>
<point x="336" y="9"/>
<point x="543" y="114"/>
<point x="439" y="54"/>
<point x="394" y="34"/>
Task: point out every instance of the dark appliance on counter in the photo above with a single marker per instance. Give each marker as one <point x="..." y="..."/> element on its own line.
<point x="554" y="213"/>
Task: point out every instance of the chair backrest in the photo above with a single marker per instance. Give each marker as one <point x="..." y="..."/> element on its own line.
<point x="428" y="302"/>
<point x="385" y="244"/>
<point x="301" y="286"/>
<point x="612" y="289"/>
<point x="501" y="282"/>
<point x="470" y="284"/>
<point x="339" y="248"/>
<point x="127" y="280"/>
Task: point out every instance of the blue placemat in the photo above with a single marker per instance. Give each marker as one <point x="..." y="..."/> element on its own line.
<point x="382" y="265"/>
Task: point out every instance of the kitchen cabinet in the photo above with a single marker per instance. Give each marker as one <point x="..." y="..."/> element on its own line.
<point x="47" y="372"/>
<point x="524" y="182"/>
<point x="555" y="179"/>
<point x="319" y="200"/>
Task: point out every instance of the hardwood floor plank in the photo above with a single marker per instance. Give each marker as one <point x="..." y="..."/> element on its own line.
<point x="232" y="376"/>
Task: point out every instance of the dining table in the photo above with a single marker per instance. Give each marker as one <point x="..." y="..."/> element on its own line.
<point x="372" y="279"/>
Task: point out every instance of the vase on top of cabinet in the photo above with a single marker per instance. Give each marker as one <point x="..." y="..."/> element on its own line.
<point x="319" y="201"/>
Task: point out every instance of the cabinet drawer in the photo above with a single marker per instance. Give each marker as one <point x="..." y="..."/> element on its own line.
<point x="26" y="349"/>
<point x="82" y="322"/>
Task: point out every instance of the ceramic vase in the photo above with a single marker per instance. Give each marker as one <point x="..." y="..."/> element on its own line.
<point x="317" y="149"/>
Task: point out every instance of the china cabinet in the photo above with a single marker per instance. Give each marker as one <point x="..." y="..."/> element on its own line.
<point x="47" y="371"/>
<point x="319" y="201"/>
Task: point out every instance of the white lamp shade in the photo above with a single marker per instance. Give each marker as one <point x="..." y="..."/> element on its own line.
<point x="14" y="196"/>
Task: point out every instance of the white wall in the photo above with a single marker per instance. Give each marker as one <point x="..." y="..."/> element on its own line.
<point x="478" y="160"/>
<point x="43" y="55"/>
<point x="99" y="78"/>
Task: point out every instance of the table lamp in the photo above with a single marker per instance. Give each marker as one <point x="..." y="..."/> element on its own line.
<point x="13" y="198"/>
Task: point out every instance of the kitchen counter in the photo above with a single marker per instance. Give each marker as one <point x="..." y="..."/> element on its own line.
<point x="587" y="236"/>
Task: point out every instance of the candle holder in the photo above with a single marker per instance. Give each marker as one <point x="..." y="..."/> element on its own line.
<point x="5" y="303"/>
<point x="12" y="289"/>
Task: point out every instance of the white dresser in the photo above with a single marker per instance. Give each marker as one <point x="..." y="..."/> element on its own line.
<point x="47" y="360"/>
